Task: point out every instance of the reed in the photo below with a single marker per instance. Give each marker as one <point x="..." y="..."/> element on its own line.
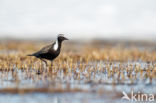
<point x="90" y="64"/>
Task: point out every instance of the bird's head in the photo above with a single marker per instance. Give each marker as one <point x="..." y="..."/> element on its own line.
<point x="61" y="37"/>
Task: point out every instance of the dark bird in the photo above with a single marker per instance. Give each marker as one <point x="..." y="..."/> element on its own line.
<point x="50" y="52"/>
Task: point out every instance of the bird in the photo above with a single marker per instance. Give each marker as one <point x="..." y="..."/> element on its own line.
<point x="50" y="52"/>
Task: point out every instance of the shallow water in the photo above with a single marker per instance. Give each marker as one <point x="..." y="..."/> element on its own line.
<point x="55" y="98"/>
<point x="96" y="83"/>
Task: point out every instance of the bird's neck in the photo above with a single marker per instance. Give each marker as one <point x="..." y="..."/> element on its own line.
<point x="57" y="45"/>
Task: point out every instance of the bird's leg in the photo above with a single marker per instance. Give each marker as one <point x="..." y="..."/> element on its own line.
<point x="45" y="62"/>
<point x="51" y="63"/>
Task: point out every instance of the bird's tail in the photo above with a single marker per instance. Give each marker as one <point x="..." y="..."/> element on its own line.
<point x="30" y="55"/>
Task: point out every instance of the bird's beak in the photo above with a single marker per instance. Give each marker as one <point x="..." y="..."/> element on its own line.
<point x="66" y="38"/>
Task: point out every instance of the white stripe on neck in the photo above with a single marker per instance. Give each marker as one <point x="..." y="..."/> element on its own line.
<point x="56" y="45"/>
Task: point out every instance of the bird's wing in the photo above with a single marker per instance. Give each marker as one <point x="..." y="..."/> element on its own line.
<point x="45" y="49"/>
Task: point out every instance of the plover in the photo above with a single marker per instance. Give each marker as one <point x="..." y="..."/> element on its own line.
<point x="50" y="52"/>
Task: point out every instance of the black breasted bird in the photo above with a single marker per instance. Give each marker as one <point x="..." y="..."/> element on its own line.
<point x="50" y="52"/>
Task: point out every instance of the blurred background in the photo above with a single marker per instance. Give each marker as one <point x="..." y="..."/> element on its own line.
<point x="78" y="19"/>
<point x="114" y="50"/>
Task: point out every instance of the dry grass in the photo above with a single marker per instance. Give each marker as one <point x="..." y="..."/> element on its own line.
<point x="83" y="62"/>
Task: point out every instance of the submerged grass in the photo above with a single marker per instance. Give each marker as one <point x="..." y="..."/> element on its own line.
<point x="80" y="67"/>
